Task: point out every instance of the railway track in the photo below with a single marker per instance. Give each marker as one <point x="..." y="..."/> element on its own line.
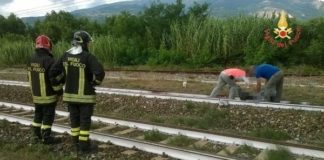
<point x="190" y="97"/>
<point x="98" y="135"/>
<point x="201" y="77"/>
<point x="197" y="72"/>
<point x="13" y="112"/>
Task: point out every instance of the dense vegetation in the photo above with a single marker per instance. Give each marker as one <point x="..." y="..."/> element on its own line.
<point x="168" y="35"/>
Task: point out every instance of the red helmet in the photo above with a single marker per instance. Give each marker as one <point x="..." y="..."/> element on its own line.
<point x="43" y="41"/>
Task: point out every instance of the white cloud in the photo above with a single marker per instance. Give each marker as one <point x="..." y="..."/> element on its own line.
<point x="22" y="7"/>
<point x="26" y="8"/>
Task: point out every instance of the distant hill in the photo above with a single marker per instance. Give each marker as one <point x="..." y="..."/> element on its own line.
<point x="301" y="9"/>
<point x="102" y="11"/>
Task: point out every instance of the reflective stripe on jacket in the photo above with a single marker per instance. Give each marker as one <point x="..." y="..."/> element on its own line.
<point x="38" y="76"/>
<point x="82" y="72"/>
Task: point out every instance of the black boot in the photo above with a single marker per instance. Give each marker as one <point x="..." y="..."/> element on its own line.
<point x="37" y="137"/>
<point x="47" y="138"/>
<point x="85" y="147"/>
<point x="75" y="141"/>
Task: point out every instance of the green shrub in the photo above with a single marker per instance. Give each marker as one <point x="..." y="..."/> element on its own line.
<point x="154" y="136"/>
<point x="280" y="153"/>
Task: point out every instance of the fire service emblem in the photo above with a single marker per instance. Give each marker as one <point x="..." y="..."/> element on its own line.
<point x="282" y="37"/>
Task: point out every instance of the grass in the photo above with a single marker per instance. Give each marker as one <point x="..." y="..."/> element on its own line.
<point x="154" y="136"/>
<point x="209" y="147"/>
<point x="185" y="121"/>
<point x="189" y="105"/>
<point x="310" y="94"/>
<point x="280" y="153"/>
<point x="14" y="151"/>
<point x="215" y="118"/>
<point x="160" y="85"/>
<point x="247" y="150"/>
<point x="4" y="123"/>
<point x="156" y="119"/>
<point x="270" y="133"/>
<point x="15" y="144"/>
<point x="304" y="70"/>
<point x="211" y="118"/>
<point x="181" y="141"/>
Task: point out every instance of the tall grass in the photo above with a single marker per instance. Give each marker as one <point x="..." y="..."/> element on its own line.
<point x="196" y="43"/>
<point x="15" y="52"/>
<point x="218" y="41"/>
<point x="106" y="48"/>
<point x="60" y="47"/>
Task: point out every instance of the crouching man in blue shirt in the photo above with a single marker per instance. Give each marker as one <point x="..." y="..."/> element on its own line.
<point x="274" y="81"/>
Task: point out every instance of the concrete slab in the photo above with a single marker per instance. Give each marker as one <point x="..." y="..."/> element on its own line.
<point x="228" y="150"/>
<point x="159" y="158"/>
<point x="200" y="143"/>
<point x="123" y="132"/>
<point x="105" y="128"/>
<point x="129" y="152"/>
<point x="262" y="155"/>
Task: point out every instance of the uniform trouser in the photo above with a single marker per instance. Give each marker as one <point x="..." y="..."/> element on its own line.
<point x="43" y="119"/>
<point x="80" y="116"/>
<point x="273" y="87"/>
<point x="224" y="79"/>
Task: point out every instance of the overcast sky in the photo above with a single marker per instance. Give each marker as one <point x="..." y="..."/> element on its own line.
<point x="26" y="8"/>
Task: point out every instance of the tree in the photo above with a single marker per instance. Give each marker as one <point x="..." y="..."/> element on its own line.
<point x="3" y="25"/>
<point x="13" y="25"/>
<point x="158" y="18"/>
<point x="126" y="24"/>
<point x="58" y="26"/>
<point x="315" y="51"/>
<point x="199" y="11"/>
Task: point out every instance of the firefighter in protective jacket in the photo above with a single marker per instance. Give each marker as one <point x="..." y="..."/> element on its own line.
<point x="82" y="73"/>
<point x="45" y="95"/>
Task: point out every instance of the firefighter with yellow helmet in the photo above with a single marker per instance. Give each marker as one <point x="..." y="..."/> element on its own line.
<point x="82" y="72"/>
<point x="45" y="95"/>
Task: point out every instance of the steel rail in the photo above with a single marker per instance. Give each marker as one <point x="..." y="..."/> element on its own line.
<point x="129" y="143"/>
<point x="190" y="97"/>
<point x="202" y="81"/>
<point x="207" y="99"/>
<point x="220" y="138"/>
<point x="14" y="83"/>
<point x="198" y="72"/>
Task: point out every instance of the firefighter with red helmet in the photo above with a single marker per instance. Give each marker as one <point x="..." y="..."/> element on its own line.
<point x="45" y="96"/>
<point x="82" y="73"/>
